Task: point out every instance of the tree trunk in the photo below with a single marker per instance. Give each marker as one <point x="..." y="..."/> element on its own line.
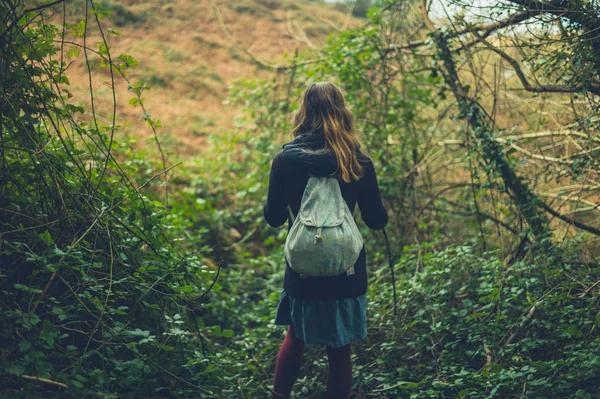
<point x="528" y="204"/>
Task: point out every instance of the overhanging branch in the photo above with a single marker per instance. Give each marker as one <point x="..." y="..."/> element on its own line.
<point x="593" y="87"/>
<point x="483" y="30"/>
<point x="571" y="221"/>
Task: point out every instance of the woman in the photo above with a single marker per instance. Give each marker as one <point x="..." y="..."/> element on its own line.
<point x="328" y="311"/>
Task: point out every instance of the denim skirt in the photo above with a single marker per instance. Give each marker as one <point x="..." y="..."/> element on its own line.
<point x="332" y="323"/>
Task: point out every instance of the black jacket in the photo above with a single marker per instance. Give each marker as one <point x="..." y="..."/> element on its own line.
<point x="288" y="178"/>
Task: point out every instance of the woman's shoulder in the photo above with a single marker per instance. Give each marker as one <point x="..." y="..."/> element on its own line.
<point x="364" y="159"/>
<point x="280" y="162"/>
<point x="279" y="158"/>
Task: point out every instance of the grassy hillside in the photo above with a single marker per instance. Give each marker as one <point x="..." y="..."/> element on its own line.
<point x="190" y="51"/>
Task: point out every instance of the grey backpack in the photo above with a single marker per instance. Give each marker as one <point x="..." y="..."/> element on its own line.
<point x="324" y="239"/>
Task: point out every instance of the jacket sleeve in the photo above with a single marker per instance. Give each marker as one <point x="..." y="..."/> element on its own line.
<point x="275" y="209"/>
<point x="371" y="207"/>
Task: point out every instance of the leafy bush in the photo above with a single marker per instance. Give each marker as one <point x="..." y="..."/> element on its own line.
<point x="472" y="324"/>
<point x="471" y="327"/>
<point x="109" y="289"/>
<point x="96" y="300"/>
<point x="360" y="8"/>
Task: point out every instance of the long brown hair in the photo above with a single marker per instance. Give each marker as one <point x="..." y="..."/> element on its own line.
<point x="323" y="108"/>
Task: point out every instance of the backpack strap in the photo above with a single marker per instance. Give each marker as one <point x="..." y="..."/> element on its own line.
<point x="292" y="218"/>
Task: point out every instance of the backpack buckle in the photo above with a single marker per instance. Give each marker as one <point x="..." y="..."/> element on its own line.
<point x="350" y="272"/>
<point x="319" y="235"/>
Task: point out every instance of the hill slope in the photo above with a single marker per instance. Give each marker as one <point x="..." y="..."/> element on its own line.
<point x="189" y="51"/>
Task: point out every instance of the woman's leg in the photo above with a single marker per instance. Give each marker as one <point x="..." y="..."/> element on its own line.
<point x="339" y="377"/>
<point x="288" y="363"/>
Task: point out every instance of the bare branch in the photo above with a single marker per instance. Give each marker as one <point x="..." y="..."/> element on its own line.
<point x="521" y="326"/>
<point x="593" y="87"/>
<point x="484" y="30"/>
<point x="262" y="64"/>
<point x="571" y="221"/>
<point x="43" y="6"/>
<point x="44" y="381"/>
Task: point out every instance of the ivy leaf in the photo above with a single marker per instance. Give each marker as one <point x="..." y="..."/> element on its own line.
<point x="77" y="384"/>
<point x="227" y="333"/>
<point x="24" y="346"/>
<point x="187" y="288"/>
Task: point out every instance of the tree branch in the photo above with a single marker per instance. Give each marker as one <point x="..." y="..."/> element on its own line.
<point x="526" y="201"/>
<point x="42" y="7"/>
<point x="484" y="30"/>
<point x="583" y="15"/>
<point x="488" y="29"/>
<point x="593" y="87"/>
<point x="521" y="326"/>
<point x="44" y="381"/>
<point x="569" y="220"/>
<point x="478" y="213"/>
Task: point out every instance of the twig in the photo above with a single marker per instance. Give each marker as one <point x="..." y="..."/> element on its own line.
<point x="16" y="20"/>
<point x="569" y="220"/>
<point x="214" y="281"/>
<point x="592" y="87"/>
<point x="137" y="190"/>
<point x="21" y="214"/>
<point x="387" y="243"/>
<point x="392" y="387"/>
<point x="298" y="33"/>
<point x="235" y="42"/>
<point x="521" y="326"/>
<point x="479" y="213"/>
<point x="42" y="7"/>
<point x="589" y="289"/>
<point x="43" y="293"/>
<point x="114" y="113"/>
<point x="44" y="381"/>
<point x="431" y="200"/>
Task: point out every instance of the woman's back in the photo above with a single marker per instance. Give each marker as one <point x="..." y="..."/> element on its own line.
<point x="290" y="172"/>
<point x="328" y="311"/>
<point x="289" y="178"/>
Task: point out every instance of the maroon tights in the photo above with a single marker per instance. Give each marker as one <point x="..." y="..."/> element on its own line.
<point x="287" y="367"/>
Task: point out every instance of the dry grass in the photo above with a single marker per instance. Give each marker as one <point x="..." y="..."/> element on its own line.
<point x="189" y="58"/>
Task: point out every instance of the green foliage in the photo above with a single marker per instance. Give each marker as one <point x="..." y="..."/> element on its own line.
<point x="471" y="325"/>
<point x="361" y="8"/>
<point x="110" y="290"/>
<point x="96" y="300"/>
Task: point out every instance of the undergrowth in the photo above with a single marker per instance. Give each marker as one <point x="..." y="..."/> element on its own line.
<point x="123" y="277"/>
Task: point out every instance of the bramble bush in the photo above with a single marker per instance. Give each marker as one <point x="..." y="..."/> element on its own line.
<point x="472" y="323"/>
<point x="97" y="299"/>
<point x="110" y="290"/>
